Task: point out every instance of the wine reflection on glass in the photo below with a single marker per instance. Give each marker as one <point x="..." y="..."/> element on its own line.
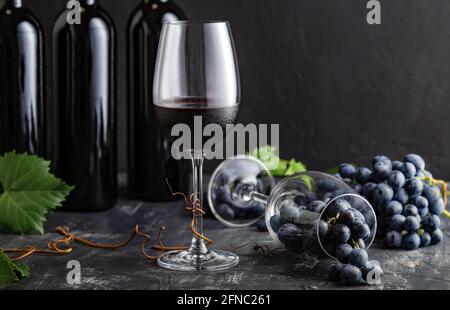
<point x="196" y="74"/>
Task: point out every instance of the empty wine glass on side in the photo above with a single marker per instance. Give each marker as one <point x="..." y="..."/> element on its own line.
<point x="310" y="212"/>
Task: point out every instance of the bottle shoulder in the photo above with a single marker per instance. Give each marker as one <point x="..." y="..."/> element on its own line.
<point x="136" y="17"/>
<point x="90" y="18"/>
<point x="18" y="20"/>
<point x="153" y="13"/>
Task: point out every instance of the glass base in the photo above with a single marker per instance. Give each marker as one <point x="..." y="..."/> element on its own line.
<point x="186" y="261"/>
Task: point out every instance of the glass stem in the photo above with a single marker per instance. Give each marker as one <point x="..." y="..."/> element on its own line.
<point x="258" y="197"/>
<point x="198" y="246"/>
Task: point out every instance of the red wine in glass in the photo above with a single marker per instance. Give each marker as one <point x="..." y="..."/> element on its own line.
<point x="196" y="74"/>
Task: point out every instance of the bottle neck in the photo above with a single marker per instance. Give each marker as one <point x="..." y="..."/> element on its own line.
<point x="15" y="3"/>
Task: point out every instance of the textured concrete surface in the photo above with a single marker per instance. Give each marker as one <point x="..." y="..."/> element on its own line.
<point x="127" y="269"/>
<point x="340" y="89"/>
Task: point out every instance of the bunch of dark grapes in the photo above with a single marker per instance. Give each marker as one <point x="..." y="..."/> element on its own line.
<point x="296" y="224"/>
<point x="344" y="232"/>
<point x="354" y="267"/>
<point x="407" y="205"/>
<point x="341" y="224"/>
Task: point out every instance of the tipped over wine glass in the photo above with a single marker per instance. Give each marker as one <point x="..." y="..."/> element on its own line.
<point x="310" y="212"/>
<point x="196" y="74"/>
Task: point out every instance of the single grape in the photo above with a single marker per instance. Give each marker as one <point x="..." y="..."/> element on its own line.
<point x="410" y="210"/>
<point x="337" y="207"/>
<point x="414" y="187"/>
<point x="393" y="239"/>
<point x="396" y="179"/>
<point x="401" y="195"/>
<point x="395" y="222"/>
<point x="431" y="193"/>
<point x="363" y="175"/>
<point x="346" y="217"/>
<point x="416" y="160"/>
<point x="437" y="206"/>
<point x="261" y="225"/>
<point x="425" y="239"/>
<point x="341" y="233"/>
<point x="368" y="189"/>
<point x="383" y="159"/>
<point x="436" y="236"/>
<point x="411" y="224"/>
<point x="411" y="241"/>
<point x="408" y="170"/>
<point x="288" y="233"/>
<point x="347" y="171"/>
<point x="393" y="207"/>
<point x="275" y="222"/>
<point x="360" y="230"/>
<point x="431" y="222"/>
<point x="342" y="252"/>
<point x="396" y="165"/>
<point x="316" y="206"/>
<point x="383" y="194"/>
<point x="351" y="275"/>
<point x="381" y="171"/>
<point x="358" y="258"/>
<point x="334" y="272"/>
<point x="358" y="215"/>
<point x="226" y="212"/>
<point x="420" y="202"/>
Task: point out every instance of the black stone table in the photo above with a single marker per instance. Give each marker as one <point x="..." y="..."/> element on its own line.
<point x="427" y="268"/>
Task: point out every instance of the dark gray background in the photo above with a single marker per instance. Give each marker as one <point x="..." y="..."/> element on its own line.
<point x="340" y="89"/>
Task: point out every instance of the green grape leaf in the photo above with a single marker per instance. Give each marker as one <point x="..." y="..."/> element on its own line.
<point x="284" y="168"/>
<point x="10" y="272"/>
<point x="333" y="170"/>
<point x="281" y="169"/>
<point x="28" y="192"/>
<point x="295" y="167"/>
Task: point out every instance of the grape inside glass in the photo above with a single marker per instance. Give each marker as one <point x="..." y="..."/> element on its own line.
<point x="196" y="74"/>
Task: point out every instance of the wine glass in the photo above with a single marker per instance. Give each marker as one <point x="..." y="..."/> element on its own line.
<point x="241" y="191"/>
<point x="196" y="74"/>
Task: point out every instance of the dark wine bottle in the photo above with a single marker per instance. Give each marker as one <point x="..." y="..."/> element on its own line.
<point x="21" y="81"/>
<point x="149" y="157"/>
<point x="84" y="152"/>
